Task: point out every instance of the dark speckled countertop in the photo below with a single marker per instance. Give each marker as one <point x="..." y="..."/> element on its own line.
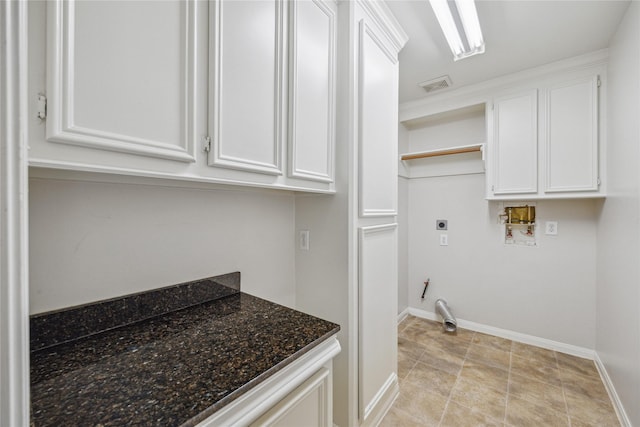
<point x="166" y="368"/>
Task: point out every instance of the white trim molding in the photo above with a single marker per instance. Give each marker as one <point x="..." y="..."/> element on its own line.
<point x="573" y="350"/>
<point x="481" y="92"/>
<point x="613" y="394"/>
<point x="14" y="219"/>
<point x="380" y="13"/>
<point x="538" y="342"/>
<point x="382" y="402"/>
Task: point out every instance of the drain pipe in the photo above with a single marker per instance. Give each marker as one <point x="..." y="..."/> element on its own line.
<point x="448" y="320"/>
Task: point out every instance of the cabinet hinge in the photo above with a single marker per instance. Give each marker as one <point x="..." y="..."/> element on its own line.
<point x="599" y="182"/>
<point x="206" y="144"/>
<point x="599" y="82"/>
<point x="42" y="106"/>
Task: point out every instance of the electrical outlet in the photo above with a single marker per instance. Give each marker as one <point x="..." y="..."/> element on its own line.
<point x="441" y="224"/>
<point x="444" y="240"/>
<point x="303" y="240"/>
<point x="551" y="228"/>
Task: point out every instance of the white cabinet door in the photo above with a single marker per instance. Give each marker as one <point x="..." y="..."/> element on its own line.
<point x="312" y="89"/>
<point x="572" y="136"/>
<point x="515" y="144"/>
<point x="309" y="405"/>
<point x="247" y="84"/>
<point x="378" y="123"/>
<point x="118" y="76"/>
<point x="377" y="293"/>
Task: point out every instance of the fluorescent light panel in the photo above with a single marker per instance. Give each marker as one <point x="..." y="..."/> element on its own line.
<point x="465" y="37"/>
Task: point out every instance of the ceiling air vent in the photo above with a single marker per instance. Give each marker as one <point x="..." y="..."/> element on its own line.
<point x="436" y="84"/>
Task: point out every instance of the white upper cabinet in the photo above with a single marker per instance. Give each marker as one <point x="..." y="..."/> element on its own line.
<point x="572" y="136"/>
<point x="231" y="92"/>
<point x="545" y="143"/>
<point x="544" y="130"/>
<point x="312" y="89"/>
<point x="246" y="109"/>
<point x="119" y="77"/>
<point x="515" y="151"/>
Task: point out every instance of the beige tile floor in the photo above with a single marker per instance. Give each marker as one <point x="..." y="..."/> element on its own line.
<point x="472" y="379"/>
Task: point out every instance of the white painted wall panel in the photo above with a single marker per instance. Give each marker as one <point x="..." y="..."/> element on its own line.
<point x="91" y="241"/>
<point x="378" y="125"/>
<point x="546" y="291"/>
<point x="618" y="290"/>
<point x="377" y="290"/>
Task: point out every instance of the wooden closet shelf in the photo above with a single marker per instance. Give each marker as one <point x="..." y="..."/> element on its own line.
<point x="443" y="152"/>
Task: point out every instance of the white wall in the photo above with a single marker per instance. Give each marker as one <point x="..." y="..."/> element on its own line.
<point x="90" y="241"/>
<point x="403" y="243"/>
<point x="403" y="222"/>
<point x="546" y="291"/>
<point x="618" y="254"/>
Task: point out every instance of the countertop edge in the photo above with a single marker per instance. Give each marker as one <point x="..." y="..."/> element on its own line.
<point x="271" y="386"/>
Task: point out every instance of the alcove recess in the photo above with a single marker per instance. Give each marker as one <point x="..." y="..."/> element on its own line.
<point x="445" y="143"/>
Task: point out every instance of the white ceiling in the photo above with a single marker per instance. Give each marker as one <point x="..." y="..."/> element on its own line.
<point x="518" y="35"/>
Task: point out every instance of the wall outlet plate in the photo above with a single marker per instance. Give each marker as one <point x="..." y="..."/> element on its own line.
<point x="444" y="240"/>
<point x="441" y="224"/>
<point x="551" y="228"/>
<point x="303" y="240"/>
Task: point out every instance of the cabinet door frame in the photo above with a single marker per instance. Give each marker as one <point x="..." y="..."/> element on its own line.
<point x="318" y="384"/>
<point x="370" y="157"/>
<point x="498" y="187"/>
<point x="295" y="168"/>
<point x="373" y="322"/>
<point x="217" y="156"/>
<point x="61" y="126"/>
<point x="593" y="147"/>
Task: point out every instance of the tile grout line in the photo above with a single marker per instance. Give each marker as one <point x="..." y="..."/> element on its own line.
<point x="512" y="356"/>
<point x="446" y="406"/>
<point x="564" y="395"/>
<point x="506" y="397"/>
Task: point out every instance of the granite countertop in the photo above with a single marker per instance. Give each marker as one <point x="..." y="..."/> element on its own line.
<point x="168" y="368"/>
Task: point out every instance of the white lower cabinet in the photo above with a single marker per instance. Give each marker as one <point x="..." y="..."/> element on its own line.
<point x="308" y="405"/>
<point x="299" y="395"/>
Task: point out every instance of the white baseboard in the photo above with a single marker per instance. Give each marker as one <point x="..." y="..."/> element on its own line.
<point x="538" y="342"/>
<point x="512" y="335"/>
<point x="382" y="402"/>
<point x="403" y="314"/>
<point x="613" y="394"/>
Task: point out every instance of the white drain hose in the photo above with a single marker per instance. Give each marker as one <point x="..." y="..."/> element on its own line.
<point x="448" y="320"/>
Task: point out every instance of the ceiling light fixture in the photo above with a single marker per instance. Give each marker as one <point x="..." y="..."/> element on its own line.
<point x="459" y="22"/>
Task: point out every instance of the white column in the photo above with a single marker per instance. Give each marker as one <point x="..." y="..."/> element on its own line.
<point x="14" y="295"/>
